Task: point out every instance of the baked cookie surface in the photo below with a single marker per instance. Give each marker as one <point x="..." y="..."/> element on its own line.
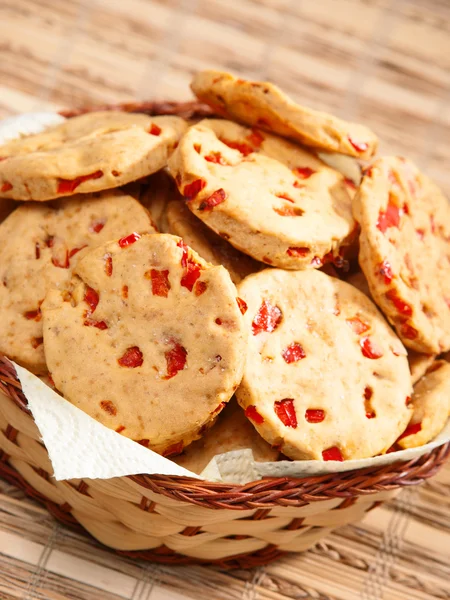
<point x="41" y="244"/>
<point x="264" y="105"/>
<point x="325" y="377"/>
<point x="269" y="198"/>
<point x="405" y="251"/>
<point x="93" y="152"/>
<point x="163" y="332"/>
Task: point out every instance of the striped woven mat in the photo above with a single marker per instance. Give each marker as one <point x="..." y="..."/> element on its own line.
<point x="385" y="62"/>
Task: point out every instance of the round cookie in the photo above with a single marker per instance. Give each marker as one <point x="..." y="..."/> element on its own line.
<point x="269" y="198"/>
<point x="93" y="152"/>
<point x="264" y="105"/>
<point x="431" y="406"/>
<point x="306" y="330"/>
<point x="152" y="347"/>
<point x="233" y="431"/>
<point x="41" y="243"/>
<point x="405" y="251"/>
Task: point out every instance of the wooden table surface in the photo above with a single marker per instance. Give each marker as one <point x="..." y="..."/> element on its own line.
<point x="384" y="62"/>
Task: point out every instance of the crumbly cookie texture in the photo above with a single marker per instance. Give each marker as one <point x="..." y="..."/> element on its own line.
<point x="93" y="152"/>
<point x="269" y="198"/>
<point x="431" y="406"/>
<point x="306" y="328"/>
<point x="150" y="342"/>
<point x="233" y="431"/>
<point x="264" y="105"/>
<point x="41" y="244"/>
<point x="405" y="251"/>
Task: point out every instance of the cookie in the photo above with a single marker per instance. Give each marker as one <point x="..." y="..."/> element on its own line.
<point x="325" y="378"/>
<point x="151" y="341"/>
<point x="431" y="406"/>
<point x="264" y="105"/>
<point x="419" y="364"/>
<point x="405" y="251"/>
<point x="233" y="431"/>
<point x="41" y="243"/>
<point x="269" y="198"/>
<point x="93" y="152"/>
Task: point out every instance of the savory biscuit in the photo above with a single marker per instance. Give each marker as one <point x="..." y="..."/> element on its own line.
<point x="405" y="250"/>
<point x="264" y="105"/>
<point x="150" y="341"/>
<point x="93" y="152"/>
<point x="326" y="378"/>
<point x="269" y="198"/>
<point x="41" y="243"/>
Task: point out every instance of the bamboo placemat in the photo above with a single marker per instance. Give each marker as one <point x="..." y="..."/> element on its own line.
<point x="385" y="62"/>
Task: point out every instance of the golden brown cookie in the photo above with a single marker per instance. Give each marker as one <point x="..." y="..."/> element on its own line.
<point x="233" y="431"/>
<point x="150" y="343"/>
<point x="264" y="105"/>
<point x="269" y="198"/>
<point x="41" y="243"/>
<point x="306" y="329"/>
<point x="405" y="251"/>
<point x="93" y="152"/>
<point x="431" y="406"/>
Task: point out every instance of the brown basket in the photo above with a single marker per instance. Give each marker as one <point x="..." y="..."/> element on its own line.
<point x="179" y="520"/>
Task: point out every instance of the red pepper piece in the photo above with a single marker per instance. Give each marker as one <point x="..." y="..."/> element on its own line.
<point x="184" y="256"/>
<point x="332" y="454"/>
<point x="192" y="189"/>
<point x="389" y="218"/>
<point x="284" y="197"/>
<point x="193" y="272"/>
<point x="252" y="414"/>
<point x="154" y="129"/>
<point x="200" y="288"/>
<point x="296" y="251"/>
<point x="216" y="198"/>
<point x="125" y="291"/>
<point x="242" y="305"/>
<point x="369" y="349"/>
<point x="129" y="239"/>
<point x="108" y="265"/>
<point x="242" y="147"/>
<point x="402" y="307"/>
<point x="411" y="430"/>
<point x="108" y="407"/>
<point x="293" y="353"/>
<point x="6" y="187"/>
<point x="314" y="415"/>
<point x="216" y="158"/>
<point x="255" y="138"/>
<point x="176" y="360"/>
<point x="132" y="358"/>
<point x="33" y="315"/>
<point x="385" y="270"/>
<point x="91" y="298"/>
<point x="357" y="325"/>
<point x="285" y="411"/>
<point x="36" y="342"/>
<point x="37" y="250"/>
<point x="357" y="145"/>
<point x="88" y="322"/>
<point x="408" y="332"/>
<point x="267" y="318"/>
<point x="97" y="226"/>
<point x="289" y="211"/>
<point x="66" y="186"/>
<point x="160" y="282"/>
<point x="303" y="172"/>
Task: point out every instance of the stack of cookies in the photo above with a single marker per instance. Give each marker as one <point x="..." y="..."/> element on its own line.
<point x="263" y="263"/>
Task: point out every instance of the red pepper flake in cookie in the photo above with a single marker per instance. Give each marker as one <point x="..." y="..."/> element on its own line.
<point x="385" y="270"/>
<point x="242" y="305"/>
<point x="389" y="218"/>
<point x="66" y="186"/>
<point x="285" y="197"/>
<point x="125" y="291"/>
<point x="370" y="349"/>
<point x="191" y="190"/>
<point x="303" y="172"/>
<point x="6" y="187"/>
<point x="408" y="332"/>
<point x="154" y="129"/>
<point x="216" y="158"/>
<point x="108" y="265"/>
<point x="76" y="250"/>
<point x="293" y="353"/>
<point x="242" y="147"/>
<point x="402" y="307"/>
<point x="297" y="251"/>
<point x="160" y="282"/>
<point x="252" y="414"/>
<point x="200" y="288"/>
<point x="314" y="415"/>
<point x="108" y="407"/>
<point x="358" y="325"/>
<point x="411" y="430"/>
<point x="91" y="298"/>
<point x="357" y="145"/>
<point x="193" y="272"/>
<point x="132" y="358"/>
<point x="256" y="138"/>
<point x="289" y="211"/>
<point x="285" y="411"/>
<point x="216" y="198"/>
<point x="97" y="226"/>
<point x="267" y="318"/>
<point x="332" y="454"/>
<point x="129" y="239"/>
<point x="176" y="359"/>
<point x="37" y="251"/>
<point x="33" y="315"/>
<point x="36" y="342"/>
<point x="88" y="322"/>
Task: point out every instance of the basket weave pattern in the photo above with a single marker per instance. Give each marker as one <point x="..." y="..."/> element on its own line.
<point x="182" y="520"/>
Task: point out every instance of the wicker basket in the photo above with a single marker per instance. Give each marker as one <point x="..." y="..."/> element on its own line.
<point x="179" y="520"/>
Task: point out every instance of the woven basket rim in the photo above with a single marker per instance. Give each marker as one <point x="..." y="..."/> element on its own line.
<point x="268" y="491"/>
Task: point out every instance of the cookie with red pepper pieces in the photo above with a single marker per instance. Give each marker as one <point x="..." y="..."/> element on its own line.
<point x="151" y="341"/>
<point x="93" y="152"/>
<point x="41" y="243"/>
<point x="266" y="196"/>
<point x="233" y="431"/>
<point x="325" y="378"/>
<point x="405" y="251"/>
<point x="264" y="105"/>
<point x="431" y="406"/>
